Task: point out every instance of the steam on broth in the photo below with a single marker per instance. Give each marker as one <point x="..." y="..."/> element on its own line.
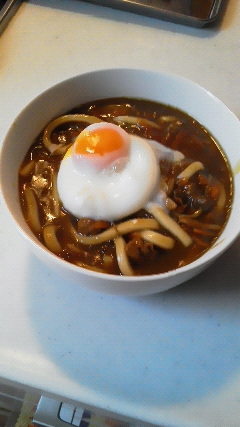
<point x="197" y="190"/>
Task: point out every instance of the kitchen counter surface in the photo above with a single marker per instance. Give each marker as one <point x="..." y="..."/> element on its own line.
<point x="172" y="359"/>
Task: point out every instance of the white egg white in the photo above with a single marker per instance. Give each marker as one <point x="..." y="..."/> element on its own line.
<point x="110" y="194"/>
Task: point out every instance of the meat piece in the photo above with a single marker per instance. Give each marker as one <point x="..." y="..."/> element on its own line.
<point x="199" y="192"/>
<point x="87" y="226"/>
<point x="137" y="248"/>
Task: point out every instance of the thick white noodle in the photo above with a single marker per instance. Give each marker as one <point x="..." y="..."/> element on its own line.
<point x="222" y="198"/>
<point x="191" y="170"/>
<point x="117" y="230"/>
<point x="32" y="210"/>
<point x="122" y="258"/>
<point x="83" y="118"/>
<point x="157" y="239"/>
<point x="167" y="222"/>
<point x="50" y="238"/>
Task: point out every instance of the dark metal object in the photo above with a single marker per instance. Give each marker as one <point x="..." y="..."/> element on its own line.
<point x="8" y="9"/>
<point x="196" y="13"/>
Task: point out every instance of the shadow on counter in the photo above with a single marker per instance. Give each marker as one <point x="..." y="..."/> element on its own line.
<point x="170" y="348"/>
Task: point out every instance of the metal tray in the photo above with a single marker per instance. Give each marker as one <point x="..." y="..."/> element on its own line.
<point x="196" y="13"/>
<point x="8" y="8"/>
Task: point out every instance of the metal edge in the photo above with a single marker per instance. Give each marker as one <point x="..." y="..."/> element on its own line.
<point x="7" y="12"/>
<point x="158" y="13"/>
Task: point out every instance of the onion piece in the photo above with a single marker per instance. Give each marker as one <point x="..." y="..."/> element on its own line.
<point x="74" y="248"/>
<point x="122" y="258"/>
<point x="27" y="169"/>
<point x="90" y="267"/>
<point x="200" y="242"/>
<point x="167" y="119"/>
<point x="170" y="204"/>
<point x="202" y="232"/>
<point x="50" y="238"/>
<point x="191" y="170"/>
<point x="157" y="239"/>
<point x="55" y="197"/>
<point x="118" y="230"/>
<point x="195" y="214"/>
<point x="197" y="224"/>
<point x="32" y="210"/>
<point x="107" y="260"/>
<point x="222" y="198"/>
<point x="167" y="222"/>
<point x="133" y="120"/>
<point x="83" y="118"/>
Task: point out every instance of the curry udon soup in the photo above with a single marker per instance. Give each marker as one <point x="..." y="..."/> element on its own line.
<point x="126" y="187"/>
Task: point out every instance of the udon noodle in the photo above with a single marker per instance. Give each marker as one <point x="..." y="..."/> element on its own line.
<point x="198" y="193"/>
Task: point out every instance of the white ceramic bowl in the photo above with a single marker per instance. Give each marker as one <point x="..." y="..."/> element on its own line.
<point x="169" y="89"/>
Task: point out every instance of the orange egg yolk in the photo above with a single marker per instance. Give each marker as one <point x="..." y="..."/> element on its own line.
<point x="101" y="141"/>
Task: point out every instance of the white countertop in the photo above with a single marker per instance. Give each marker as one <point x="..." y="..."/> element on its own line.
<point x="172" y="359"/>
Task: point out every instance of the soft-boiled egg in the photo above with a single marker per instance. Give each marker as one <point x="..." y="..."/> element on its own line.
<point x="109" y="174"/>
